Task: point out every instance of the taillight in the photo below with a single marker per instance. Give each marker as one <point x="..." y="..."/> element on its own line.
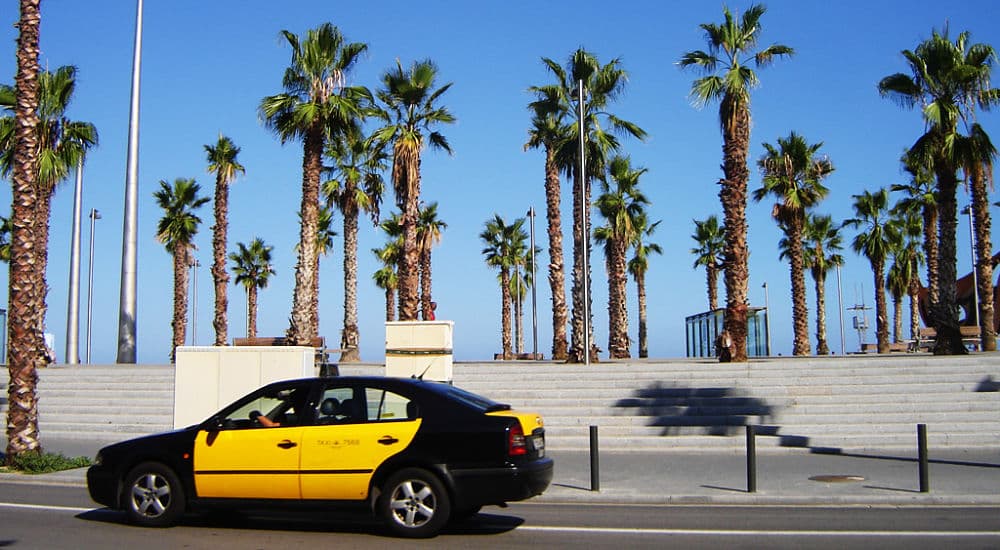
<point x="517" y="445"/>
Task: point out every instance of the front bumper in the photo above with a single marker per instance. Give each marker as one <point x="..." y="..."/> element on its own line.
<point x="484" y="486"/>
<point x="102" y="484"/>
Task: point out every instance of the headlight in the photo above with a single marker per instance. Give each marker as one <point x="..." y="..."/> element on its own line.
<point x="99" y="459"/>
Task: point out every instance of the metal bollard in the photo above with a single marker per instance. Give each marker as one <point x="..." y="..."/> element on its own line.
<point x="751" y="460"/>
<point x="595" y="461"/>
<point x="925" y="485"/>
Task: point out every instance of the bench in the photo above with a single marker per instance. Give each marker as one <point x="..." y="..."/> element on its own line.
<point x="893" y="346"/>
<point x="970" y="336"/>
<point x="322" y="353"/>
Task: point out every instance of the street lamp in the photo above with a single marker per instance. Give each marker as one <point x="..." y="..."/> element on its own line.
<point x="534" y="292"/>
<point x="73" y="305"/>
<point x="840" y="302"/>
<point x="94" y="216"/>
<point x="975" y="277"/>
<point x="194" y="264"/>
<point x="767" y="320"/>
<point x="585" y="237"/>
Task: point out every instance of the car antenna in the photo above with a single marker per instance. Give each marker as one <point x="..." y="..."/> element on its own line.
<point x="421" y="377"/>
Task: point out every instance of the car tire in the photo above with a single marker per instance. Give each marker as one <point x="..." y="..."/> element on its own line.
<point x="153" y="495"/>
<point x="414" y="504"/>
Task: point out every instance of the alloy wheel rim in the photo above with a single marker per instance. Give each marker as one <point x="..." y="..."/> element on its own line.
<point x="150" y="495"/>
<point x="413" y="503"/>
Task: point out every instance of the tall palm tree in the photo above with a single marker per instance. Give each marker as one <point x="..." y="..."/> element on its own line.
<point x="25" y="348"/>
<point x="621" y="205"/>
<point x="387" y="277"/>
<point x="315" y="105"/>
<point x="502" y="242"/>
<point x="548" y="130"/>
<point x="429" y="229"/>
<point x="793" y="174"/>
<point x="876" y="241"/>
<point x="710" y="251"/>
<point x="920" y="197"/>
<point x="223" y="163"/>
<point x="946" y="79"/>
<point x="603" y="85"/>
<point x="176" y="231"/>
<point x="356" y="187"/>
<point x="729" y="79"/>
<point x="412" y="101"/>
<point x="62" y="144"/>
<point x="822" y="242"/>
<point x="638" y="266"/>
<point x="977" y="154"/>
<point x="253" y="269"/>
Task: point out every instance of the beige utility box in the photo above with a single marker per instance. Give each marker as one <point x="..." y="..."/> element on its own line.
<point x="414" y="348"/>
<point x="209" y="378"/>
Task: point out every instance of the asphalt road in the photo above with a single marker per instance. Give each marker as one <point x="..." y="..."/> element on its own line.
<point x="54" y="517"/>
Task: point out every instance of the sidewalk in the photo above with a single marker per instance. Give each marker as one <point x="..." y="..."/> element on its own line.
<point x="783" y="477"/>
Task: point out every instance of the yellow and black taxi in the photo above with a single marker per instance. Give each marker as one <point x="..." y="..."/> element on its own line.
<point x="415" y="453"/>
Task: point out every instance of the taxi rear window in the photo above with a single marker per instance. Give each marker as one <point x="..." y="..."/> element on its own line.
<point x="473" y="400"/>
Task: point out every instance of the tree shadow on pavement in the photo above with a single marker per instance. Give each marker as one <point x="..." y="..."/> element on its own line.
<point x="696" y="411"/>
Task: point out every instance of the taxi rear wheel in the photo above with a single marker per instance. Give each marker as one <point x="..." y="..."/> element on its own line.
<point x="153" y="495"/>
<point x="414" y="503"/>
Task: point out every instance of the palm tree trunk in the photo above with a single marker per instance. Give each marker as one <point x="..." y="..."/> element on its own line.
<point x="350" y="338"/>
<point x="557" y="275"/>
<point x="252" y="311"/>
<point x="640" y="283"/>
<point x="390" y="304"/>
<point x="219" y="274"/>
<point x="733" y="196"/>
<point x="712" y="278"/>
<point x="945" y="314"/>
<point x="182" y="262"/>
<point x="914" y="291"/>
<point x="581" y="243"/>
<point x="822" y="346"/>
<point x="519" y="320"/>
<point x="931" y="251"/>
<point x="618" y="344"/>
<point x="409" y="262"/>
<point x="26" y="342"/>
<point x="897" y="318"/>
<point x="425" y="282"/>
<point x="41" y="232"/>
<point x="303" y="329"/>
<point x="505" y="313"/>
<point x="984" y="255"/>
<point x="881" y="310"/>
<point x="800" y="311"/>
<point x="314" y="306"/>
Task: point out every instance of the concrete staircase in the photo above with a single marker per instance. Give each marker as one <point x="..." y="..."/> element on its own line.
<point x="825" y="404"/>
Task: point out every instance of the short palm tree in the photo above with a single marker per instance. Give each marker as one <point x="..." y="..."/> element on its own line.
<point x="638" y="266"/>
<point x="549" y="130"/>
<point x="253" y="269"/>
<point x="793" y="174"/>
<point x="876" y="241"/>
<point x="621" y="204"/>
<point x="729" y="79"/>
<point x="315" y="105"/>
<point x="386" y="277"/>
<point x="603" y="84"/>
<point x="822" y="243"/>
<point x="357" y="186"/>
<point x="502" y="242"/>
<point x="411" y="99"/>
<point x="710" y="237"/>
<point x="176" y="231"/>
<point x="429" y="228"/>
<point x="324" y="244"/>
<point x="223" y="163"/>
<point x="946" y="78"/>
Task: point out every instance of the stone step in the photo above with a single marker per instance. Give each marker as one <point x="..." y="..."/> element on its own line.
<point x="737" y="442"/>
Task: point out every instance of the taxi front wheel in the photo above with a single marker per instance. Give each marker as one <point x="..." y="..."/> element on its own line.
<point x="414" y="503"/>
<point x="153" y="495"/>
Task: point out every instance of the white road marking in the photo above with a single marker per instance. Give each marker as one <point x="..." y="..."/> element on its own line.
<point x="73" y="509"/>
<point x="745" y="532"/>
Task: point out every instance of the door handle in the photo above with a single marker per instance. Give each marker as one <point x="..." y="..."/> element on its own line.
<point x="286" y="444"/>
<point x="388" y="440"/>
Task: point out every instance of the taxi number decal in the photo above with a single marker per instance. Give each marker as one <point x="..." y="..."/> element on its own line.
<point x="338" y="442"/>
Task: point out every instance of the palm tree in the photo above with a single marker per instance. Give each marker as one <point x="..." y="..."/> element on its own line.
<point x="26" y="343"/>
<point x="387" y="278"/>
<point x="604" y="84"/>
<point x="548" y="131"/>
<point x="621" y="206"/>
<point x="315" y="105"/>
<point x="176" y="231"/>
<point x="876" y="241"/>
<point x="520" y="282"/>
<point x="977" y="154"/>
<point x="429" y="229"/>
<point x="709" y="253"/>
<point x="221" y="162"/>
<point x="62" y="144"/>
<point x="324" y="244"/>
<point x="920" y="198"/>
<point x="794" y="175"/>
<point x="638" y="266"/>
<point x="729" y="79"/>
<point x="822" y="242"/>
<point x="253" y="269"/>
<point x="5" y="232"/>
<point x="411" y="98"/>
<point x="356" y="187"/>
<point x="503" y="242"/>
<point x="946" y="78"/>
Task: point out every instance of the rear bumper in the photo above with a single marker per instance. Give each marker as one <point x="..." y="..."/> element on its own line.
<point x="483" y="486"/>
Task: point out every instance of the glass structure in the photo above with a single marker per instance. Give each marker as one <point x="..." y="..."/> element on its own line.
<point x="702" y="329"/>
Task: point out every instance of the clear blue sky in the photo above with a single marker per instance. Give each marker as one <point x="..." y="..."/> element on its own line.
<point x="206" y="65"/>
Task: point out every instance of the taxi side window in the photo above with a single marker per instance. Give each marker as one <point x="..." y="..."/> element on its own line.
<point x="283" y="407"/>
<point x="339" y="406"/>
<point x="386" y="406"/>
